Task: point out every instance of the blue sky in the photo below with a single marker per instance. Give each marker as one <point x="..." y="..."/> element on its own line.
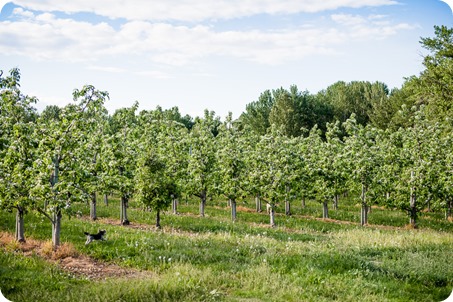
<point x="216" y="55"/>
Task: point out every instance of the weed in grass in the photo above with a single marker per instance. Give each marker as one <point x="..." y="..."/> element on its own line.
<point x="65" y="250"/>
<point x="45" y="249"/>
<point x="12" y="246"/>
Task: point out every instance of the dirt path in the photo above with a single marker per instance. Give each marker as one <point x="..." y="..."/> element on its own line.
<point x="69" y="259"/>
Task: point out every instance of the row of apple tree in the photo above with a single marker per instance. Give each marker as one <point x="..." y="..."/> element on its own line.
<point x="50" y="160"/>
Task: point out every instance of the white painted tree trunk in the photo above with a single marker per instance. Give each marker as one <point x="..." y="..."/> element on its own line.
<point x="287" y="202"/>
<point x="56" y="219"/>
<point x="335" y="201"/>
<point x="258" y="203"/>
<point x="364" y="208"/>
<point x="20" y="229"/>
<point x="106" y="199"/>
<point x="56" y="228"/>
<point x="93" y="215"/>
<point x="123" y="211"/>
<point x="364" y="214"/>
<point x="272" y="216"/>
<point x="174" y="206"/>
<point x="287" y="207"/>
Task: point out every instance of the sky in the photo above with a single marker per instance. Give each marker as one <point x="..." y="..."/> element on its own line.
<point x="216" y="55"/>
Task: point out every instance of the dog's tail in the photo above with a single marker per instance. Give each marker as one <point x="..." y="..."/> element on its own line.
<point x="86" y="233"/>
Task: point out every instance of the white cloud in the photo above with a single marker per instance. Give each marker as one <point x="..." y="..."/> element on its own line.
<point x="44" y="37"/>
<point x="348" y="20"/>
<point x="371" y="27"/>
<point x="22" y="13"/>
<point x="108" y="69"/>
<point x="47" y="37"/>
<point x="155" y="74"/>
<point x="194" y="10"/>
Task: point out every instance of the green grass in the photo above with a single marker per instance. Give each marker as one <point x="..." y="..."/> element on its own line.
<point x="212" y="258"/>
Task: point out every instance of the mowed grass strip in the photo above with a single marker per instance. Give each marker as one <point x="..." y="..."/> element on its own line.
<point x="211" y="258"/>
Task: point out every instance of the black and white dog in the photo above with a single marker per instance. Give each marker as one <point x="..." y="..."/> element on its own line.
<point x="91" y="237"/>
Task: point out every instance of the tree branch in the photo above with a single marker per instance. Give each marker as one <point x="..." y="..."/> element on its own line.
<point x="46" y="214"/>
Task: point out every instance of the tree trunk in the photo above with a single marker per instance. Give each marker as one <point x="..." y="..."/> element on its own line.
<point x="287" y="201"/>
<point x="202" y="203"/>
<point x="287" y="207"/>
<point x="233" y="209"/>
<point x="258" y="203"/>
<point x="158" y="219"/>
<point x="303" y="202"/>
<point x="272" y="216"/>
<point x="364" y="214"/>
<point x="106" y="199"/>
<point x="123" y="210"/>
<point x="174" y="206"/>
<point x="325" y="210"/>
<point x="229" y="203"/>
<point x="335" y="201"/>
<point x="20" y="229"/>
<point x="54" y="177"/>
<point x="364" y="209"/>
<point x="56" y="228"/>
<point x="93" y="215"/>
<point x="448" y="209"/>
<point x="413" y="208"/>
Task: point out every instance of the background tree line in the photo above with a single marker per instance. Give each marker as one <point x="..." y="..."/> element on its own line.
<point x="372" y="103"/>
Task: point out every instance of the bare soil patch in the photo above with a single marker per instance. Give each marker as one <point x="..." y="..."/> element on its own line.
<point x="68" y="259"/>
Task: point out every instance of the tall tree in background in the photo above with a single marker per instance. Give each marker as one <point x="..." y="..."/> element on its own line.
<point x="256" y="115"/>
<point x="286" y="113"/>
<point x="393" y="114"/>
<point x="173" y="114"/>
<point x="364" y="99"/>
<point x="436" y="81"/>
<point x="290" y="110"/>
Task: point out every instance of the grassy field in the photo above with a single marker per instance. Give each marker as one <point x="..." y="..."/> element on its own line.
<point x="304" y="258"/>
